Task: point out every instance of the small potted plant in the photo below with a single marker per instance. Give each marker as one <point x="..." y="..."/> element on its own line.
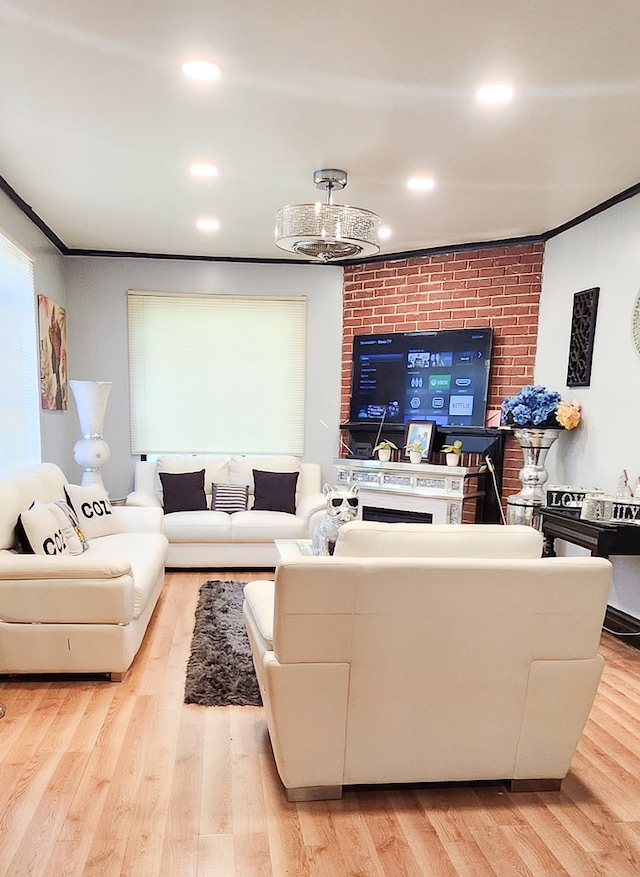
<point x="383" y="449"/>
<point x="453" y="452"/>
<point x="415" y="450"/>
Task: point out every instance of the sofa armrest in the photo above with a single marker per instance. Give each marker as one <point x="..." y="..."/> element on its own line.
<point x="139" y="519"/>
<point x="23" y="567"/>
<point x="307" y="505"/>
<point x="141" y="498"/>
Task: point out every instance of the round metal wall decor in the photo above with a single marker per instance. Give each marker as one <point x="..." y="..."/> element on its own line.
<point x="635" y="324"/>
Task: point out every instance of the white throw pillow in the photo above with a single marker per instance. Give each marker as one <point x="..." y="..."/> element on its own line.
<point x="45" y="529"/>
<point x="93" y="509"/>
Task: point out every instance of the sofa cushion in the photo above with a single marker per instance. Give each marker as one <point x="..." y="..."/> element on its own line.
<point x="93" y="509"/>
<point x="216" y="469"/>
<point x="229" y="498"/>
<point x="379" y="539"/>
<point x="145" y="552"/>
<point x="183" y="492"/>
<point x="241" y="468"/>
<point x="275" y="491"/>
<point x="44" y="482"/>
<point x="45" y="529"/>
<point x="255" y="526"/>
<point x="202" y="526"/>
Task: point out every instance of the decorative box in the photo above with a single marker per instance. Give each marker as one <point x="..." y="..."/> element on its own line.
<point x="565" y="498"/>
<point x="610" y="510"/>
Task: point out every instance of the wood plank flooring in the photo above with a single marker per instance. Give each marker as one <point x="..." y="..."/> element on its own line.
<point x="101" y="778"/>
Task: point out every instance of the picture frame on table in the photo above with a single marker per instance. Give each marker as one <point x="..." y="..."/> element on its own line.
<point x="423" y="432"/>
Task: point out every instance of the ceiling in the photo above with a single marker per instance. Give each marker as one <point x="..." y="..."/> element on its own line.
<point x="98" y="126"/>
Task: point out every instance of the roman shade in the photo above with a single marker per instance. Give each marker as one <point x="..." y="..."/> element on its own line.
<point x="19" y="403"/>
<point x="216" y="373"/>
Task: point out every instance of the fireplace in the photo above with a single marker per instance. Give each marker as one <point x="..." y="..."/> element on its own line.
<point x="419" y="493"/>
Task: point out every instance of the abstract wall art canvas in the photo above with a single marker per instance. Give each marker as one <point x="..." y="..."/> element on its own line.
<point x="54" y="385"/>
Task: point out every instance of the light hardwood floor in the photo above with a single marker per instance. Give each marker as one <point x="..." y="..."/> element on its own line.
<point x="100" y="778"/>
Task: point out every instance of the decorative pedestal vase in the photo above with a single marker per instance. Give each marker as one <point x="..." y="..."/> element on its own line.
<point x="524" y="507"/>
<point x="91" y="452"/>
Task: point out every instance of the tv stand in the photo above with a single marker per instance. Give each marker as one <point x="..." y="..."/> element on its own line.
<point x="477" y="443"/>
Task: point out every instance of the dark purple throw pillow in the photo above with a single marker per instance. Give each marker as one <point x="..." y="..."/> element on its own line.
<point x="275" y="491"/>
<point x="183" y="491"/>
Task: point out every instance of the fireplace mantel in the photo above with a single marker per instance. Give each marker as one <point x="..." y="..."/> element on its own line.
<point x="439" y="494"/>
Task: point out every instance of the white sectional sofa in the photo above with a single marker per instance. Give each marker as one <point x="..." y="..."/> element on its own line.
<point x="75" y="613"/>
<point x="421" y="653"/>
<point x="206" y="538"/>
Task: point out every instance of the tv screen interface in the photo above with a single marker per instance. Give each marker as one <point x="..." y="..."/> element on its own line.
<point x="441" y="376"/>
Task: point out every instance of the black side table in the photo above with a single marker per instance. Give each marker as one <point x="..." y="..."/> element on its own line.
<point x="600" y="539"/>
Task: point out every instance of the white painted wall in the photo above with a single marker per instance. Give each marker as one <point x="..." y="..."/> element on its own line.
<point x="603" y="251"/>
<point x="97" y="326"/>
<point x="49" y="280"/>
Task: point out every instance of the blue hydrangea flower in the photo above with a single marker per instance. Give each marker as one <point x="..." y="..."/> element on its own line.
<point x="533" y="406"/>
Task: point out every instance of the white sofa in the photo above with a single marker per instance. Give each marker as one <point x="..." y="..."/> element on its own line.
<point x="206" y="539"/>
<point x="427" y="668"/>
<point x="84" y="613"/>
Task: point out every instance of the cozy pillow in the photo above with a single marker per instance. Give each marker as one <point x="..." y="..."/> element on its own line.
<point x="275" y="491"/>
<point x="93" y="510"/>
<point x="183" y="492"/>
<point x="45" y="529"/>
<point x="229" y="497"/>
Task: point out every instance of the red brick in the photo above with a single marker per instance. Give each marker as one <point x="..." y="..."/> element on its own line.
<point x="386" y="272"/>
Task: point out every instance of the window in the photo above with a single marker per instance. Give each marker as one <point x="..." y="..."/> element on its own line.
<point x="19" y="380"/>
<point x="216" y="373"/>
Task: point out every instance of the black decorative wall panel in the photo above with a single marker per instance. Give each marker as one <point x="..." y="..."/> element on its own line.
<point x="583" y="328"/>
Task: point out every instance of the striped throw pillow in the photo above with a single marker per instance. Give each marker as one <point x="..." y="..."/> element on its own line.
<point x="229" y="498"/>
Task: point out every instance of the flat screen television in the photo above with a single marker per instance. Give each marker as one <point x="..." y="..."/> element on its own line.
<point x="438" y="375"/>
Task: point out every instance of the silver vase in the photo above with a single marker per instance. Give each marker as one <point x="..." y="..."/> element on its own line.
<point x="524" y="507"/>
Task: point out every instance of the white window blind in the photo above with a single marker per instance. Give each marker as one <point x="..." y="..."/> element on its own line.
<point x="19" y="376"/>
<point x="216" y="373"/>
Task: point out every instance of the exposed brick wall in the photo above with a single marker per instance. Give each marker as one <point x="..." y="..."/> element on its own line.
<point x="497" y="286"/>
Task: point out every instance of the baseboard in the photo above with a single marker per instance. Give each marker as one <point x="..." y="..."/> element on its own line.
<point x="619" y="623"/>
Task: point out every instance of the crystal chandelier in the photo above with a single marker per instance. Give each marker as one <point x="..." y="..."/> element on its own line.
<point x="328" y="231"/>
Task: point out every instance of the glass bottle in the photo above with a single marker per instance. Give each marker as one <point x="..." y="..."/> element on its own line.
<point x="623" y="491"/>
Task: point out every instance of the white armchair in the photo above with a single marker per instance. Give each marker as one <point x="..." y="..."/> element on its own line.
<point x="414" y="669"/>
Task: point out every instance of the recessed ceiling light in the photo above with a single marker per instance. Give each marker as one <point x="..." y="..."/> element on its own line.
<point x="204" y="71"/>
<point x="384" y="233"/>
<point x="202" y="169"/>
<point x="494" y="93"/>
<point x="421" y="184"/>
<point x="207" y="223"/>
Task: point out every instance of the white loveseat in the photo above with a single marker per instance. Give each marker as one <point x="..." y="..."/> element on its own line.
<point x="210" y="539"/>
<point x="84" y="613"/>
<point x="478" y="665"/>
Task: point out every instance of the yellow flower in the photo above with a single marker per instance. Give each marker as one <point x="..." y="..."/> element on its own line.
<point x="568" y="414"/>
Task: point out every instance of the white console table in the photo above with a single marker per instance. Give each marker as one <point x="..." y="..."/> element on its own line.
<point x="435" y="492"/>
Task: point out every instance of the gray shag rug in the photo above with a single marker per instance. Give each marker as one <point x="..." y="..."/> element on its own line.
<point x="220" y="669"/>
